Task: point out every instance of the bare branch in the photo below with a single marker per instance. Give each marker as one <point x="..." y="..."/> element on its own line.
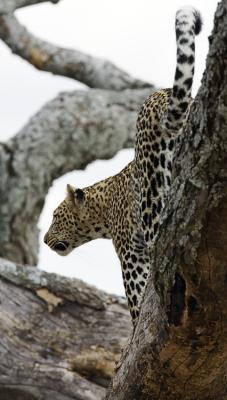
<point x="8" y="6"/>
<point x="56" y="340"/>
<point x="92" y="71"/>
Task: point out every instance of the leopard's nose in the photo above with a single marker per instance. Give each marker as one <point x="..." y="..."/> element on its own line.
<point x="45" y="239"/>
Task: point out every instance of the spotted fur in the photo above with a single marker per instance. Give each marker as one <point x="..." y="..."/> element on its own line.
<point x="127" y="206"/>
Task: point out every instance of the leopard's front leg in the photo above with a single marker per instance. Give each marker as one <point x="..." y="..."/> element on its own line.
<point x="135" y="264"/>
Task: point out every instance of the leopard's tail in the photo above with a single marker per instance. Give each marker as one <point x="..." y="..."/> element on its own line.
<point x="188" y="24"/>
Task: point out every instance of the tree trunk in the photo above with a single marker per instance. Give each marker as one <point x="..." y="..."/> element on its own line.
<point x="59" y="338"/>
<point x="179" y="347"/>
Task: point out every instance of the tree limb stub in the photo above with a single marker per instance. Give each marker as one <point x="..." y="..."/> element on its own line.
<point x="66" y="352"/>
<point x="93" y="72"/>
<point x="75" y="129"/>
<point x="180" y="344"/>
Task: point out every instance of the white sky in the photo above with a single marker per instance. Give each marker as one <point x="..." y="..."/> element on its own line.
<point x="138" y="35"/>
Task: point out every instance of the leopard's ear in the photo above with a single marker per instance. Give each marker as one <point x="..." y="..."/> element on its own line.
<point x="76" y="195"/>
<point x="70" y="191"/>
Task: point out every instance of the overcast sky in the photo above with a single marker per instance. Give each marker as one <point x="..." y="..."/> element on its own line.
<point x="137" y="35"/>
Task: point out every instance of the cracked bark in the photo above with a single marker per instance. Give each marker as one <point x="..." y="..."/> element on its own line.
<point x="179" y="348"/>
<point x="59" y="338"/>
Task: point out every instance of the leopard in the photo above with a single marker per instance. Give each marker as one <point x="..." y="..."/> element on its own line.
<point x="128" y="206"/>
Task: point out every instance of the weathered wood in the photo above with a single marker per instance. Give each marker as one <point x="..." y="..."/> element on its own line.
<point x="179" y="350"/>
<point x="59" y="337"/>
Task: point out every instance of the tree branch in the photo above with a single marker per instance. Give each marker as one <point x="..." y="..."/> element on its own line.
<point x="180" y="344"/>
<point x="93" y="72"/>
<point x="59" y="338"/>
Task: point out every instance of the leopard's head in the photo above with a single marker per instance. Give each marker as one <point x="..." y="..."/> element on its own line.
<point x="75" y="222"/>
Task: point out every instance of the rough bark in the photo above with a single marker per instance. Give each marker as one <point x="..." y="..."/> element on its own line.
<point x="59" y="338"/>
<point x="92" y="71"/>
<point x="68" y="133"/>
<point x="180" y="345"/>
